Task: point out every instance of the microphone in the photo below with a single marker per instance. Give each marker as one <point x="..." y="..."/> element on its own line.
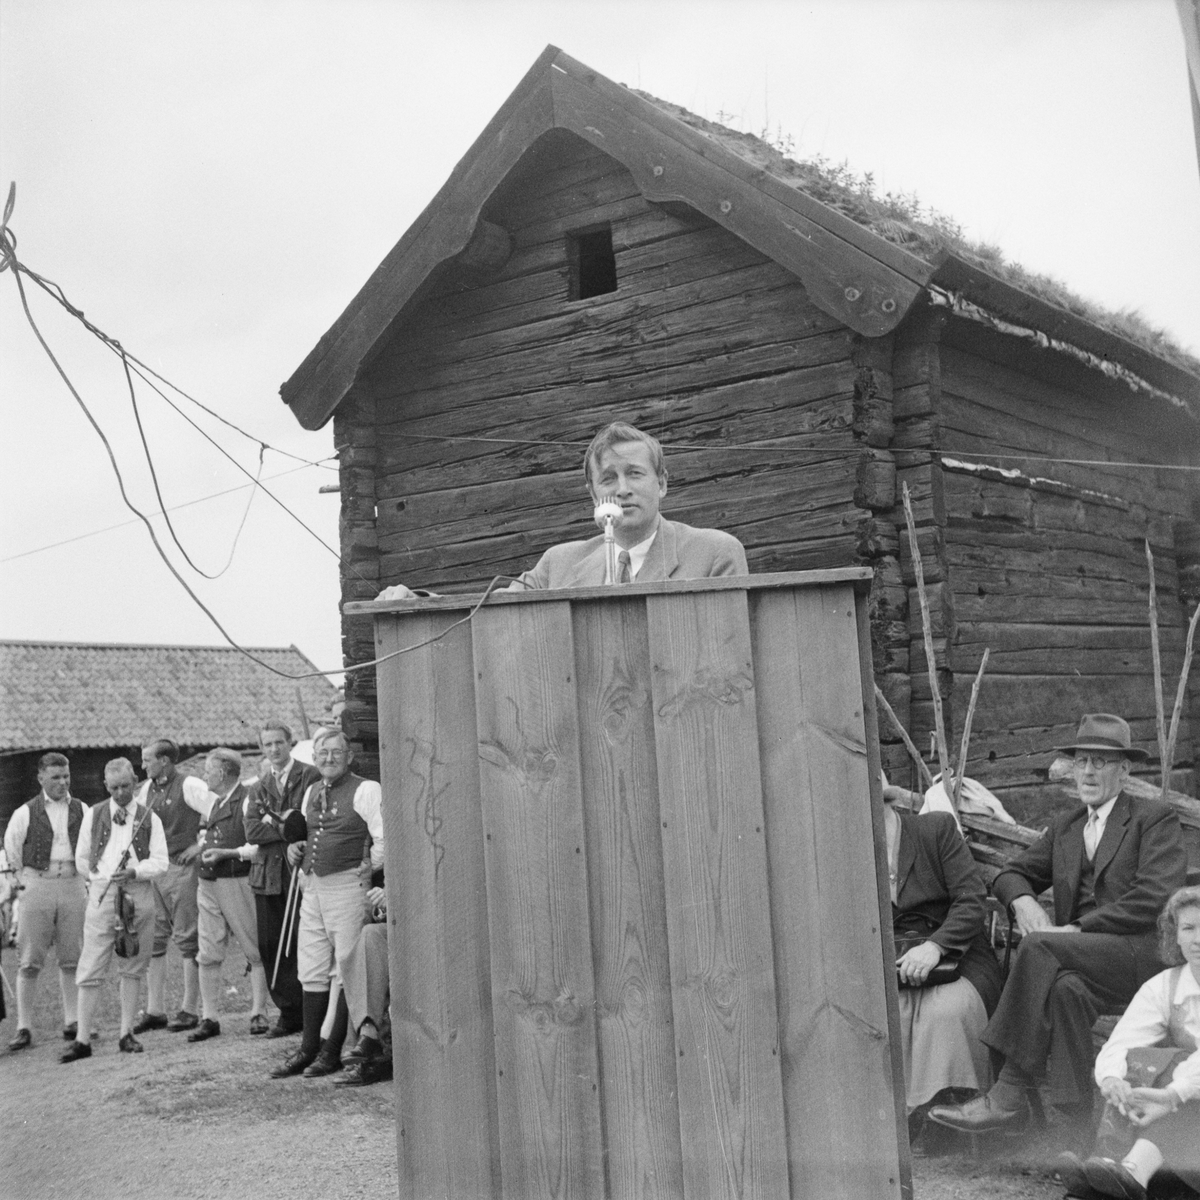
<point x="606" y="512"/>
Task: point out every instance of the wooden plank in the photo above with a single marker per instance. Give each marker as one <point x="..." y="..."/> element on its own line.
<point x="837" y="1062"/>
<point x="542" y="980"/>
<point x="730" y="1101"/>
<point x="638" y="1086"/>
<point x="447" y="1131"/>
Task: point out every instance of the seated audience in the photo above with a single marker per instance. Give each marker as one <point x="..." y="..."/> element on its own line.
<point x="1149" y="1073"/>
<point x="938" y="901"/>
<point x="367" y="989"/>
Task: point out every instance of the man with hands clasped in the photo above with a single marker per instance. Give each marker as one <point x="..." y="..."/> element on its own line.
<point x="1112" y="862"/>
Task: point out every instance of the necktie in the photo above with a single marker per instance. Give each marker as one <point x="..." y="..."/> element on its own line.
<point x="120" y="817"/>
<point x="325" y="798"/>
<point x="623" y="565"/>
<point x="1091" y="834"/>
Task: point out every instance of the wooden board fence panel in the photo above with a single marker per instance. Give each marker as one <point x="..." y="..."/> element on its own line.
<point x="837" y="1053"/>
<point x="723" y="983"/>
<point x="447" y="1128"/>
<point x="637" y="944"/>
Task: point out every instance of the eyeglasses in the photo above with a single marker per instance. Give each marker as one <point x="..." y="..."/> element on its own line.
<point x="322" y="755"/>
<point x="1096" y="762"/>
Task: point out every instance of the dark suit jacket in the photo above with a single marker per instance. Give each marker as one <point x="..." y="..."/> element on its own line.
<point x="937" y="878"/>
<point x="678" y="552"/>
<point x="267" y="873"/>
<point x="1139" y="862"/>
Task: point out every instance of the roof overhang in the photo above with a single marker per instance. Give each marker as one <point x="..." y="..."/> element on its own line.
<point x="847" y="270"/>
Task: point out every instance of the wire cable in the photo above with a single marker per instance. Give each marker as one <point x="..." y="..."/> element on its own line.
<point x="125" y="524"/>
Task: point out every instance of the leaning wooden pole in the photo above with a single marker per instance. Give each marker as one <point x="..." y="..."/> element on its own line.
<point x="939" y="721"/>
<point x="909" y="745"/>
<point x="1156" y="653"/>
<point x="961" y="773"/>
<point x="1180" y="692"/>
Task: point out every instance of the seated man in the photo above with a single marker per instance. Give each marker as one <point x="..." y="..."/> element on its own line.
<point x="121" y="847"/>
<point x="1112" y="861"/>
<point x="625" y="465"/>
<point x="367" y="989"/>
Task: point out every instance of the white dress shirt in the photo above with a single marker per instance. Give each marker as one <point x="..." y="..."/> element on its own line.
<point x="637" y="554"/>
<point x="1145" y="1023"/>
<point x="18" y="828"/>
<point x="1101" y="817"/>
<point x="151" y="868"/>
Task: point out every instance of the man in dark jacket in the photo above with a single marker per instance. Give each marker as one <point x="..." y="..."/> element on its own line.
<point x="282" y="782"/>
<point x="1112" y="863"/>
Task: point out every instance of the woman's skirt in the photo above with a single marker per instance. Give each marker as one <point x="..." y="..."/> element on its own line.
<point x="940" y="1029"/>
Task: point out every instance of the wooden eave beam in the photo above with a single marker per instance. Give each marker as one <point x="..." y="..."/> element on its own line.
<point x="850" y="272"/>
<point x="1011" y="303"/>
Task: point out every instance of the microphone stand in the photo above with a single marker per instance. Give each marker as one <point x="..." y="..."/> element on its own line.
<point x="605" y="515"/>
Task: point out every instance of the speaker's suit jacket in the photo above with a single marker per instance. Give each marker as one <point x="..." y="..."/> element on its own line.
<point x="678" y="552"/>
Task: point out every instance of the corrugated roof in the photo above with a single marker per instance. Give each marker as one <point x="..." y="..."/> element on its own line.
<point x="61" y="695"/>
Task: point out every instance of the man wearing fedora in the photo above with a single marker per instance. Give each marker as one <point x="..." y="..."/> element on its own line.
<point x="1112" y="862"/>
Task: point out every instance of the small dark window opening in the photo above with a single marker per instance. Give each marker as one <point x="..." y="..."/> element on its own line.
<point x="593" y="267"/>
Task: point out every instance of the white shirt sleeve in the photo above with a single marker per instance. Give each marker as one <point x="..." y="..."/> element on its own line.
<point x="197" y="796"/>
<point x="156" y="864"/>
<point x="1144" y="1023"/>
<point x="83" y="847"/>
<point x="14" y="837"/>
<point x="368" y="803"/>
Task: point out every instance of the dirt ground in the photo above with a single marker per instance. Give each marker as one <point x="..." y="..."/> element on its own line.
<point x="202" y="1122"/>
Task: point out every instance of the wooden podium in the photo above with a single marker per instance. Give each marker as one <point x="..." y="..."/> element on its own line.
<point x="639" y="930"/>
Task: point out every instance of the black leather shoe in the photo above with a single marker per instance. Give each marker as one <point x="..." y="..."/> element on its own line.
<point x="365" y="1049"/>
<point x="182" y="1020"/>
<point x="205" y="1030"/>
<point x="328" y="1062"/>
<point x="130" y="1045"/>
<point x="259" y="1024"/>
<point x="296" y="1063"/>
<point x="22" y="1041"/>
<point x="979" y="1116"/>
<point x="1074" y="1178"/>
<point x="70" y="1032"/>
<point x="282" y="1029"/>
<point x="76" y="1051"/>
<point x="363" y="1074"/>
<point x="148" y="1021"/>
<point x="1110" y="1178"/>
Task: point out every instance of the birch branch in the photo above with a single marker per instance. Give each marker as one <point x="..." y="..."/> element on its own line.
<point x="966" y="737"/>
<point x="914" y="753"/>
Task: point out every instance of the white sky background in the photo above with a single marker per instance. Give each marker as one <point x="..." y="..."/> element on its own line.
<point x="212" y="182"/>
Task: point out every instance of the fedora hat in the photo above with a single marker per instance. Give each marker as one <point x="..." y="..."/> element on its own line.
<point x="1103" y="731"/>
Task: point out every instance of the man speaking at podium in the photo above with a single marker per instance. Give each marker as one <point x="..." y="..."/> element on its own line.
<point x="624" y="469"/>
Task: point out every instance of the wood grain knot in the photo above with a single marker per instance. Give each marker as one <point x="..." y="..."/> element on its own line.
<point x="707" y="688"/>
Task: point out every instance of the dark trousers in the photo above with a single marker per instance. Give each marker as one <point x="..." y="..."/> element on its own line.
<point x="1057" y="986"/>
<point x="287" y="993"/>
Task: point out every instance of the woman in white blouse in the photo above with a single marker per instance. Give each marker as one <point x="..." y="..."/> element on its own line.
<point x="1162" y="1121"/>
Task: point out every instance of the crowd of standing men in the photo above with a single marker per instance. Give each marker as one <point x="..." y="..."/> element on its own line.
<point x="289" y="865"/>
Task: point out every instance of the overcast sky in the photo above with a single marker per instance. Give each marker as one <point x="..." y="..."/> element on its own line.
<point x="212" y="182"/>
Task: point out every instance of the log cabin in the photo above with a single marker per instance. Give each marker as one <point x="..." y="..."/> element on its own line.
<point x="802" y="353"/>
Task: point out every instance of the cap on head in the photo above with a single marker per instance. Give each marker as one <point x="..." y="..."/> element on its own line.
<point x="1104" y="731"/>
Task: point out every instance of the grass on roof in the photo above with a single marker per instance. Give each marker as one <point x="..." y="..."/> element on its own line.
<point x="901" y="218"/>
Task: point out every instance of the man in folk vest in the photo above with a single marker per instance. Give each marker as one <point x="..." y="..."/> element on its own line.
<point x="40" y="844"/>
<point x="345" y="839"/>
<point x="282" y="782"/>
<point x="1112" y="862"/>
<point x="121" y="847"/>
<point x="224" y="898"/>
<point x="178" y="800"/>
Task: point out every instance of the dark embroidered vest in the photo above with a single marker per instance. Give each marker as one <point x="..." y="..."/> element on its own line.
<point x="226" y="831"/>
<point x="337" y="836"/>
<point x="181" y="824"/>
<point x="102" y="830"/>
<point x="39" y="837"/>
